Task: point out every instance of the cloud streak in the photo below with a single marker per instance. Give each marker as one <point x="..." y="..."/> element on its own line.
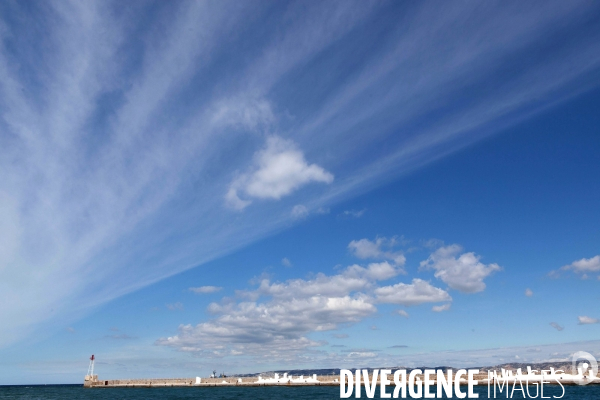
<point x="120" y="141"/>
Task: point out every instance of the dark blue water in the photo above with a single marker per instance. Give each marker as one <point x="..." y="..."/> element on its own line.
<point x="288" y="393"/>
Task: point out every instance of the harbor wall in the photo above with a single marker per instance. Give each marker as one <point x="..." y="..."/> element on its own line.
<point x="325" y="380"/>
<point x="229" y="381"/>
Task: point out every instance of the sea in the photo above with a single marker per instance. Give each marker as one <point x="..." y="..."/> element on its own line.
<point x="250" y="393"/>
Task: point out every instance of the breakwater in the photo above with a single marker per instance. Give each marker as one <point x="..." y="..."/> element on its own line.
<point x="285" y="380"/>
<point x="506" y="376"/>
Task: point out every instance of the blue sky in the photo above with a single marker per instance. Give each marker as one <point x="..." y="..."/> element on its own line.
<point x="246" y="186"/>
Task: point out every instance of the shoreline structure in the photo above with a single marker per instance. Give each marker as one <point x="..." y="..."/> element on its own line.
<point x="509" y="376"/>
<point x="92" y="381"/>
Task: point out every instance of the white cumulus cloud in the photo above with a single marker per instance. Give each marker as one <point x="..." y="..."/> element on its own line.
<point x="417" y="292"/>
<point x="583" y="266"/>
<point x="278" y="170"/>
<point x="375" y="271"/>
<point x="353" y="213"/>
<point x="271" y="328"/>
<point x="205" y="289"/>
<point x="276" y="318"/>
<point x="443" y="307"/>
<point x="380" y="248"/>
<point x="175" y="306"/>
<point x="585" y="320"/>
<point x="464" y="273"/>
<point x="299" y="211"/>
<point x="286" y="262"/>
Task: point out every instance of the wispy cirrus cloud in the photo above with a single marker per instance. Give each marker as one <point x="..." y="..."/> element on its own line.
<point x="120" y="141"/>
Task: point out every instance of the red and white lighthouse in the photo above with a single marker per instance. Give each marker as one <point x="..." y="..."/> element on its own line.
<point x="91" y="367"/>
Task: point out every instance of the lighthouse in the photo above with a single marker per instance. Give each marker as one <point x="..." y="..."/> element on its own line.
<point x="90" y="377"/>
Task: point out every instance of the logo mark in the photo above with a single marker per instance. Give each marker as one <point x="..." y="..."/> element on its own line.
<point x="585" y="365"/>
